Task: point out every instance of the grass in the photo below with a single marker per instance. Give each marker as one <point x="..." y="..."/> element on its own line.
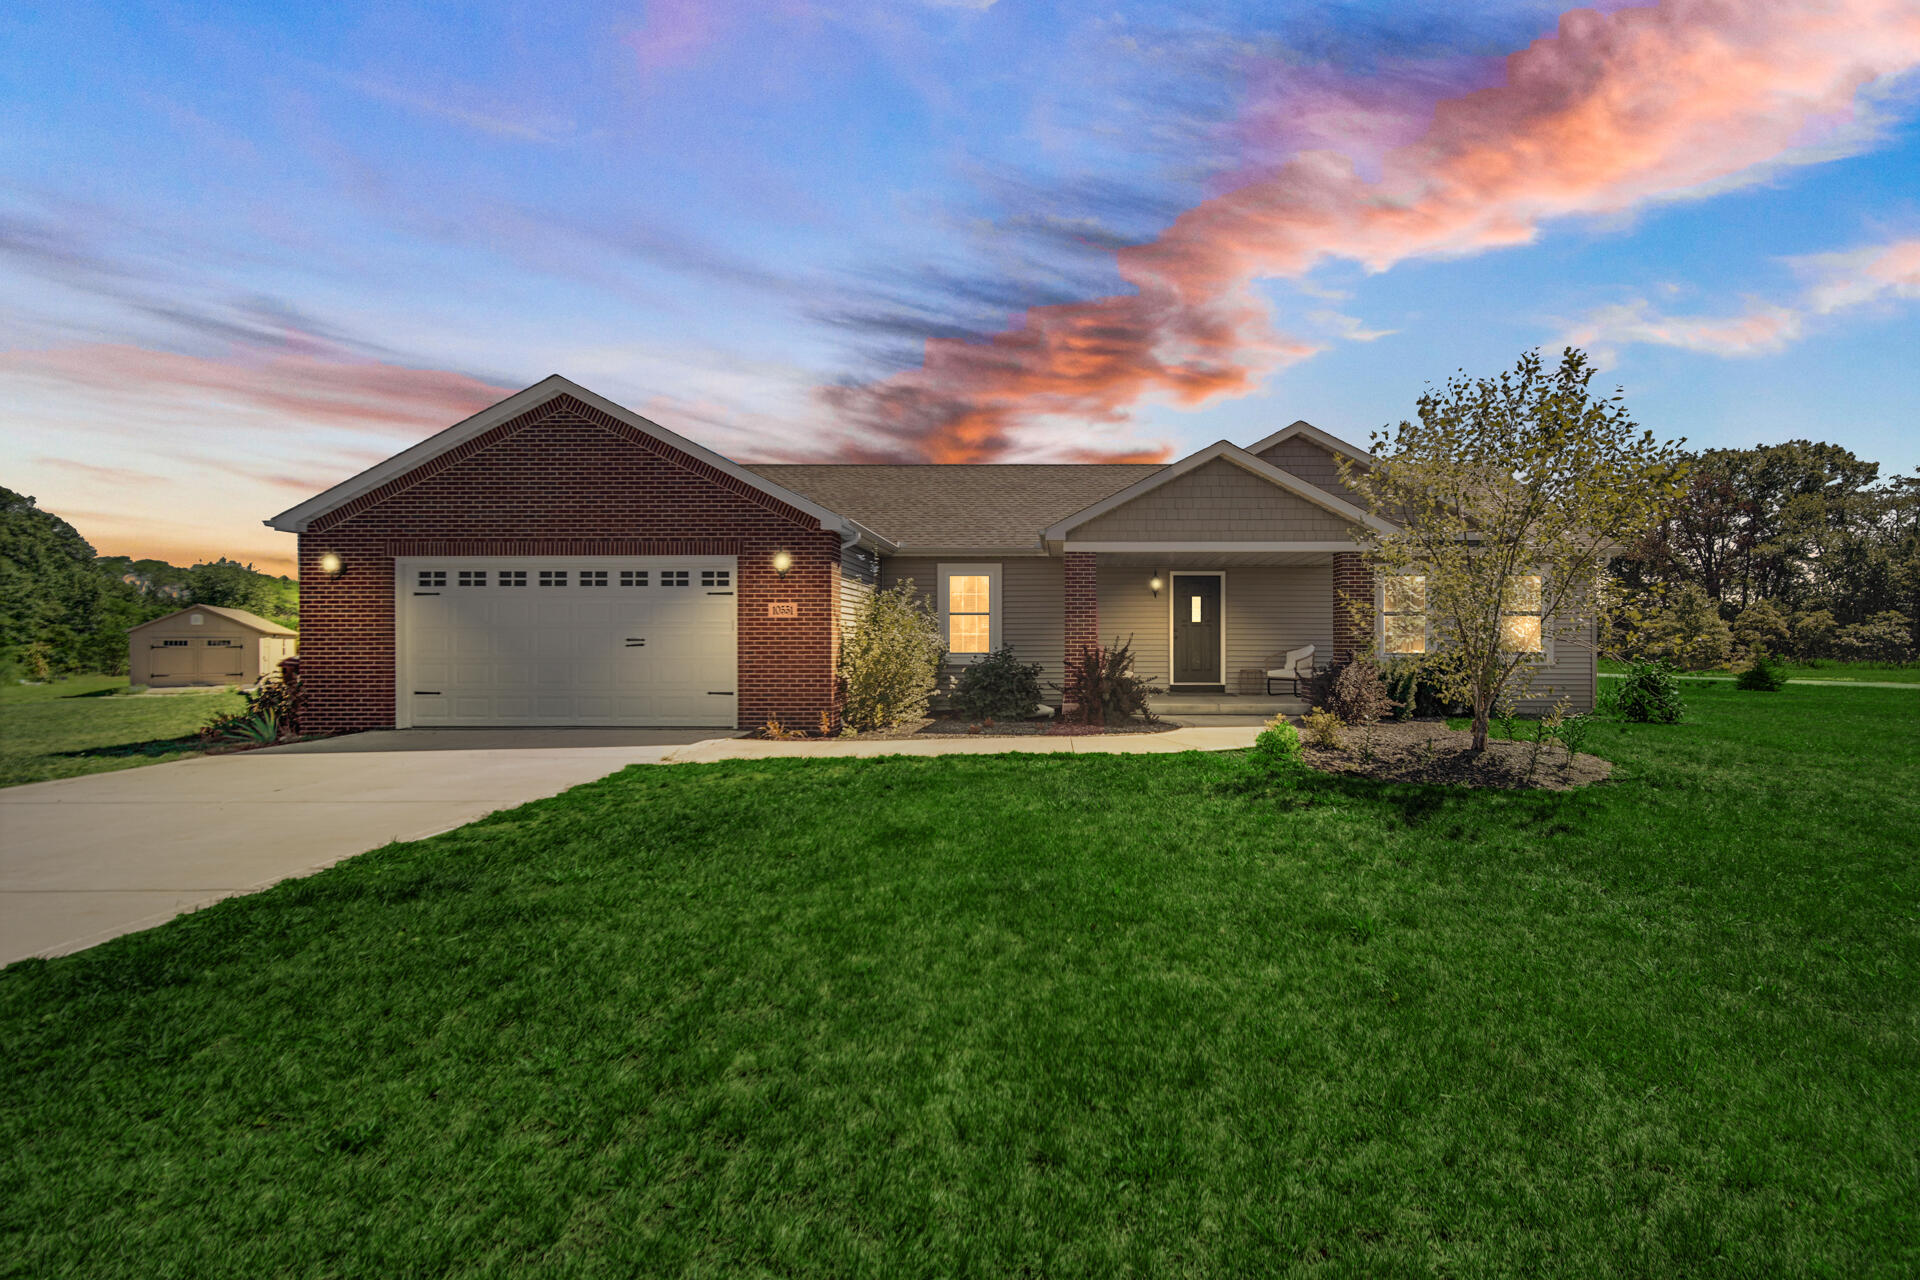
<point x="1818" y="669"/>
<point x="1029" y="1015"/>
<point x="79" y="725"/>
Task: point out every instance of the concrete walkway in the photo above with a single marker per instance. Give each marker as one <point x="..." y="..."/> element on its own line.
<point x="87" y="859"/>
<point x="1186" y="738"/>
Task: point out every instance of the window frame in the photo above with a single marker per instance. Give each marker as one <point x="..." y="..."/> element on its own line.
<point x="1380" y="613"/>
<point x="946" y="572"/>
<point x="1544" y="657"/>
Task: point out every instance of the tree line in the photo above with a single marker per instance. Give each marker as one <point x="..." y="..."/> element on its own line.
<point x="1800" y="548"/>
<point x="64" y="609"/>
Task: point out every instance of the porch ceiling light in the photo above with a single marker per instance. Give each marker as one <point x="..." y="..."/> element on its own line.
<point x="332" y="565"/>
<point x="782" y="561"/>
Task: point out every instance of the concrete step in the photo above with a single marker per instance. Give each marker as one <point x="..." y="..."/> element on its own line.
<point x="1217" y="704"/>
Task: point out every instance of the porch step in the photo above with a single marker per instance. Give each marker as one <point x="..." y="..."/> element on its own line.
<point x="1226" y="704"/>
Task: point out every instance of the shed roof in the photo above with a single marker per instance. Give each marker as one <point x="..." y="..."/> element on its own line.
<point x="990" y="505"/>
<point x="252" y="621"/>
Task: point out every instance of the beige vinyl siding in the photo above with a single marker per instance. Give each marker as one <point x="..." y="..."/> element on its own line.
<point x="1032" y="605"/>
<point x="1268" y="609"/>
<point x="1216" y="502"/>
<point x="1570" y="675"/>
<point x="1313" y="463"/>
<point x="859" y="573"/>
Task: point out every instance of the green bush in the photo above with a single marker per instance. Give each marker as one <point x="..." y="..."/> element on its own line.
<point x="1278" y="745"/>
<point x="1650" y="694"/>
<point x="998" y="687"/>
<point x="1101" y="685"/>
<point x="1415" y="688"/>
<point x="890" y="659"/>
<point x="1763" y="674"/>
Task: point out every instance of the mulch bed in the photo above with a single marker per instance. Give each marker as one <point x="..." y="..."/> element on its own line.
<point x="1428" y="751"/>
<point x="955" y="727"/>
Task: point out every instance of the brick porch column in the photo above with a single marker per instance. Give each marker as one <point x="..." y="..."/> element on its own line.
<point x="1352" y="580"/>
<point x="1083" y="602"/>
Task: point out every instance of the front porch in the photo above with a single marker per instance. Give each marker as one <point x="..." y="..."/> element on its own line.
<point x="1206" y="625"/>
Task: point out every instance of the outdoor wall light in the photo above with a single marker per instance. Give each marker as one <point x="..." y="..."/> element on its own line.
<point x="332" y="565"/>
<point x="1154" y="584"/>
<point x="782" y="561"/>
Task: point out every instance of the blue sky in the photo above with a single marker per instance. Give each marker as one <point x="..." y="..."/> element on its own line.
<point x="246" y="252"/>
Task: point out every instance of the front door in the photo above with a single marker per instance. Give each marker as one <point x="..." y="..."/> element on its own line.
<point x="1196" y="628"/>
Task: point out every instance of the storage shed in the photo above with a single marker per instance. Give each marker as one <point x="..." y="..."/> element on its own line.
<point x="206" y="645"/>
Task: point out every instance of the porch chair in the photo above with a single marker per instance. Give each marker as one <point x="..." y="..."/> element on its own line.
<point x="1296" y="666"/>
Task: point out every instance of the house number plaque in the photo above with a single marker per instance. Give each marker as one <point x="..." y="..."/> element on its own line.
<point x="783" y="609"/>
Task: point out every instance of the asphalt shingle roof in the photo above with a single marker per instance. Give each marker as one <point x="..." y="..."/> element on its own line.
<point x="957" y="505"/>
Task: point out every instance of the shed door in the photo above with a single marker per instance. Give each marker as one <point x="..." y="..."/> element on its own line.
<point x="567" y="640"/>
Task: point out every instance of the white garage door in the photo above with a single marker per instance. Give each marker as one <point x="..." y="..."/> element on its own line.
<point x="566" y="640"/>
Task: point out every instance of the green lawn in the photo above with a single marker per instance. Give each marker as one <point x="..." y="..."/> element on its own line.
<point x="79" y="725"/>
<point x="1905" y="673"/>
<point x="1029" y="1015"/>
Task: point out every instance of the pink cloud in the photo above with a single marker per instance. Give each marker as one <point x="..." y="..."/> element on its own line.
<point x="1611" y="111"/>
<point x="298" y="385"/>
<point x="674" y="33"/>
<point x="1842" y="281"/>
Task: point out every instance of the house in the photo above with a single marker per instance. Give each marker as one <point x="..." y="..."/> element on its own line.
<point x="558" y="559"/>
<point x="206" y="645"/>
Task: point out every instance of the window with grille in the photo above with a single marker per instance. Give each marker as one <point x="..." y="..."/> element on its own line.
<point x="1520" y="620"/>
<point x="553" y="577"/>
<point x="473" y="577"/>
<point x="716" y="578"/>
<point x="675" y="578"/>
<point x="433" y="578"/>
<point x="513" y="577"/>
<point x="633" y="577"/>
<point x="175" y="644"/>
<point x="220" y="644"/>
<point x="1405" y="614"/>
<point x="593" y="577"/>
<point x="969" y="601"/>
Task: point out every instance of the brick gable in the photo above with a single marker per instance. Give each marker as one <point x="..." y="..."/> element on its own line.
<point x="566" y="479"/>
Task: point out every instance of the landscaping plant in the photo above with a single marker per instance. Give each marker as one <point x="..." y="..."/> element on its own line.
<point x="1323" y="728"/>
<point x="1504" y="500"/>
<point x="1649" y="694"/>
<point x="890" y="659"/>
<point x="1573" y="732"/>
<point x="1101" y="685"/>
<point x="1356" y="693"/>
<point x="1763" y="674"/>
<point x="998" y="687"/>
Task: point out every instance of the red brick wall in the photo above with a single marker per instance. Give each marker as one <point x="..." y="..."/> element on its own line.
<point x="1352" y="626"/>
<point x="1083" y="601"/>
<point x="566" y="479"/>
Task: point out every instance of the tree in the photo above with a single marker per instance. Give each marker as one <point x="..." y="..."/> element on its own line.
<point x="890" y="659"/>
<point x="1507" y="497"/>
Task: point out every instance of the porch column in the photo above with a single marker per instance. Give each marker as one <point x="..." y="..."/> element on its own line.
<point x="1083" y="602"/>
<point x="1352" y="581"/>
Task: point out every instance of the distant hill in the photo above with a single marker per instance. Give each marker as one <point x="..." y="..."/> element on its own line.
<point x="62" y="608"/>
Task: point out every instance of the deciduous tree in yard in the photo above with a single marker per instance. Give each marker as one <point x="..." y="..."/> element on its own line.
<point x="1506" y="498"/>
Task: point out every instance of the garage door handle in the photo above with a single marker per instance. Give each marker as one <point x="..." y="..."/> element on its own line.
<point x="635" y="642"/>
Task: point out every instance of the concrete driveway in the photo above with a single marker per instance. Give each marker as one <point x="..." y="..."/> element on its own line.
<point x="87" y="859"/>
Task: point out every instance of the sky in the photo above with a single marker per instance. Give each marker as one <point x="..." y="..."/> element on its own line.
<point x="247" y="251"/>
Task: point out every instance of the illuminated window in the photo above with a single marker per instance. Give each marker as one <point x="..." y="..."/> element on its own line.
<point x="969" y="596"/>
<point x="1405" y="614"/>
<point x="1520" y="620"/>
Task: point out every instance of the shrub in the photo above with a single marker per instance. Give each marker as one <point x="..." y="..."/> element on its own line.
<point x="998" y="687"/>
<point x="890" y="659"/>
<point x="1102" y="687"/>
<point x="251" y="728"/>
<point x="1277" y="747"/>
<point x="1884" y="637"/>
<point x="1357" y="694"/>
<point x="1763" y="674"/>
<point x="1572" y="732"/>
<point x="1416" y="689"/>
<point x="1688" y="630"/>
<point x="1323" y="728"/>
<point x="1649" y="694"/>
<point x="1762" y="626"/>
<point x="282" y="697"/>
<point x="1813" y="633"/>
